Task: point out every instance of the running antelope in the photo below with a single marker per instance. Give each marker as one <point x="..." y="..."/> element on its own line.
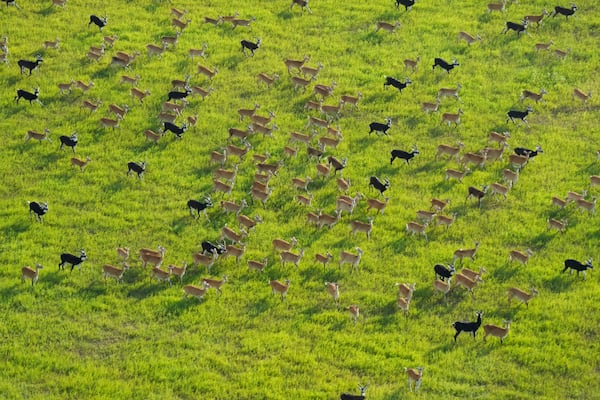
<point x="521" y="295"/>
<point x="516" y="255"/>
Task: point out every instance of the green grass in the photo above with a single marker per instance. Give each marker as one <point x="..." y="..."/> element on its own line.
<point x="75" y="336"/>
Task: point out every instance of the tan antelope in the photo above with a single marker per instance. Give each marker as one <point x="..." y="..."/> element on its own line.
<point x="31" y="273"/>
<point x="343" y="204"/>
<point x="354" y="312"/>
<point x="560" y="226"/>
<point x="414" y="227"/>
<point x="511" y="177"/>
<point x="324" y="91"/>
<point x="332" y="111"/>
<point x="229" y="18"/>
<point x="260" y="195"/>
<point x="123" y="253"/>
<point x="352" y="100"/>
<point x="450" y="118"/>
<point x="205" y="260"/>
<point x="248" y="112"/>
<point x="465" y="253"/>
<point x="177" y="13"/>
<point x="438" y="205"/>
<point x="406" y="290"/>
<point x="326" y="141"/>
<point x="202" y="92"/>
<point x="562" y="54"/>
<point x="521" y="295"/>
<point x="516" y="255"/>
<point x="38" y="136"/>
<point x="328" y="219"/>
<point x="109" y="123"/>
<point x="264" y="130"/>
<point x="207" y="72"/>
<point x="343" y="184"/>
<point x="139" y="94"/>
<point x="280" y="288"/>
<point x="377" y="204"/>
<point x="226" y="174"/>
<point x="224" y="188"/>
<point x="233" y="207"/>
<point x="240" y="133"/>
<point x="386" y="26"/>
<point x="109" y="271"/>
<point x="77" y="162"/>
<point x="195" y="291"/>
<point x="499" y="138"/>
<point x="415" y="375"/>
<point x="314" y="152"/>
<point x="119" y="111"/>
<point x="537" y="19"/>
<point x="455" y="174"/>
<point x="152" y="257"/>
<point x="213" y="21"/>
<point x="403" y="304"/>
<point x="311" y="72"/>
<point x="173" y="107"/>
<point x="257" y="265"/>
<point x="179" y="24"/>
<point x="333" y="289"/>
<point x="66" y="87"/>
<point x="154" y="50"/>
<point x="110" y="40"/>
<point x="581" y="95"/>
<point x="442" y="286"/>
<point x="304" y="200"/>
<point x="471" y="274"/>
<point x="59" y="3"/>
<point x="198" y="52"/>
<point x="446" y="221"/>
<point x="312" y="218"/>
<point x="179" y="271"/>
<point x="543" y="46"/>
<point x="497" y="188"/>
<point x="323" y="258"/>
<point x="428" y="107"/>
<point x="537" y="97"/>
<point x="233" y="251"/>
<point x="556" y="201"/>
<point x="51" y="44"/>
<point x="589" y="206"/>
<point x="496" y="331"/>
<point x="574" y="196"/>
<point x="594" y="180"/>
<point x="300" y="137"/>
<point x="234" y="237"/>
<point x="470" y="39"/>
<point x="518" y="161"/>
<point x="496" y="6"/>
<point x="84" y="86"/>
<point x="266" y="79"/>
<point x="269" y="168"/>
<point x="352" y="259"/>
<point x="295" y="64"/>
<point x="283" y="245"/>
<point x="289" y="257"/>
<point x="239" y="152"/>
<point x="247" y="222"/>
<point x="214" y="283"/>
<point x="492" y="154"/>
<point x="301" y="183"/>
<point x="412" y="64"/>
<point x="290" y="151"/>
<point x="161" y="275"/>
<point x="358" y="226"/>
<point x="93" y="56"/>
<point x="467" y="283"/>
<point x="261" y="158"/>
<point x="243" y="22"/>
<point x="299" y="82"/>
<point x="323" y="170"/>
<point x="473" y="158"/>
<point x="152" y="136"/>
<point x="449" y="92"/>
<point x="171" y="40"/>
<point x="444" y="149"/>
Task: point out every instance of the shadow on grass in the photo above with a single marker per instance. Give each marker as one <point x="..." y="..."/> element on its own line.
<point x="14" y="230"/>
<point x="504" y="273"/>
<point x="143" y="292"/>
<point x="258" y="307"/>
<point x="178" y="307"/>
<point x="559" y="283"/>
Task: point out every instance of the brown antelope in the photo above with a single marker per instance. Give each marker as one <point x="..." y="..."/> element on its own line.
<point x="202" y="92"/>
<point x="467" y="283"/>
<point x="257" y="265"/>
<point x="160" y="275"/>
<point x="326" y="141"/>
<point x="283" y="245"/>
<point x="323" y="170"/>
<point x="179" y="24"/>
<point x="247" y="222"/>
<point x="516" y="255"/>
<point x="496" y="6"/>
<point x="332" y="111"/>
<point x="59" y="3"/>
<point x="343" y="204"/>
<point x="438" y="205"/>
<point x="179" y="271"/>
<point x="93" y="56"/>
<point x="537" y="97"/>
<point x="444" y="149"/>
<point x="207" y="72"/>
<point x="324" y="91"/>
<point x="562" y="53"/>
<point x="299" y="137"/>
<point x="377" y="204"/>
<point x="497" y="188"/>
<point x="449" y="92"/>
<point x="198" y="52"/>
<point x="470" y="39"/>
<point x="301" y="184"/>
<point x="31" y="273"/>
<point x="260" y="195"/>
<point x="465" y="253"/>
<point x="213" y="21"/>
<point x="428" y="107"/>
<point x="38" y="136"/>
<point x="118" y="111"/>
<point x="233" y="251"/>
<point x="353" y="100"/>
<point x="412" y="64"/>
<point x="240" y="133"/>
<point x="248" y="112"/>
<point x="403" y="304"/>
<point x="84" y="86"/>
<point x="295" y="64"/>
<point x="511" y="177"/>
<point x="269" y="168"/>
<point x="445" y="220"/>
<point x="358" y="226"/>
<point x="406" y="290"/>
<point x="260" y="158"/>
<point x="91" y="105"/>
<point x="66" y="87"/>
<point x="473" y="158"/>
<point x="415" y="375"/>
<point x="152" y="257"/>
<point x="233" y="207"/>
<point x="496" y="331"/>
<point x="455" y="174"/>
<point x="264" y="130"/>
<point x="577" y="93"/>
<point x="77" y="162"/>
<point x="343" y="184"/>
<point x="154" y="50"/>
<point x="543" y="46"/>
<point x="109" y="271"/>
<point x="426" y="216"/>
<point x="323" y="258"/>
<point x="414" y="227"/>
<point x="171" y="40"/>
<point x="226" y="174"/>
<point x="109" y="123"/>
<point x="266" y="79"/>
<point x="177" y="13"/>
<point x="230" y="234"/>
<point x="352" y="259"/>
<point x="518" y="161"/>
<point x="224" y="188"/>
<point x="51" y="44"/>
<point x="334" y="291"/>
<point x="499" y="138"/>
<point x="594" y="180"/>
<point x="354" y="312"/>
<point x="173" y="107"/>
<point x="328" y="219"/>
<point x="139" y="94"/>
<point x="110" y="40"/>
<point x="304" y="200"/>
<point x="386" y="26"/>
<point x="537" y="19"/>
<point x="521" y="295"/>
<point x="589" y="206"/>
<point x="300" y="82"/>
<point x="243" y="22"/>
<point x="214" y="283"/>
<point x="442" y="286"/>
<point x="229" y="18"/>
<point x="167" y="117"/>
<point x="152" y="136"/>
<point x="289" y="257"/>
<point x="473" y="275"/>
<point x="574" y="196"/>
<point x="206" y="260"/>
<point x="280" y="288"/>
<point x="123" y="253"/>
<point x="313" y="152"/>
<point x="492" y="154"/>
<point x="239" y="152"/>
<point x="290" y="151"/>
<point x="556" y="201"/>
<point x="450" y="118"/>
<point x="195" y="291"/>
<point x="313" y="218"/>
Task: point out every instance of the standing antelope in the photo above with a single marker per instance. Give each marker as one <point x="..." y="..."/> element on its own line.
<point x="30" y="273"/>
<point x="281" y="288"/>
<point x="77" y="162"/>
<point x="415" y="375"/>
<point x="354" y="312"/>
<point x="496" y="331"/>
<point x="352" y="259"/>
<point x="522" y="296"/>
<point x="334" y="291"/>
<point x="109" y="271"/>
<point x="516" y="255"/>
<point x="465" y="253"/>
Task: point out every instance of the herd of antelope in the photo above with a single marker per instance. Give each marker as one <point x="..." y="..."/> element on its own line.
<point x="361" y="217"/>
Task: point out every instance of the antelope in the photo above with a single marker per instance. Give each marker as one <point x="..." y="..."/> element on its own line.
<point x="467" y="282"/>
<point x="589" y="206"/>
<point x="210" y="74"/>
<point x="403" y="304"/>
<point x="109" y="123"/>
<point x="288" y="256"/>
<point x="352" y="100"/>
<point x="299" y="137"/>
<point x="160" y="275"/>
<point x="233" y="251"/>
<point x="522" y="296"/>
<point x="229" y="18"/>
<point x="470" y="39"/>
<point x="38" y="136"/>
<point x="281" y="288"/>
<point x="118" y="111"/>
<point x="496" y="6"/>
<point x="442" y="286"/>
<point x="77" y="162"/>
<point x="49" y="44"/>
<point x="445" y="220"/>
<point x="304" y="200"/>
<point x="449" y="92"/>
<point x="343" y="204"/>
<point x="66" y="87"/>
<point x="154" y="50"/>
<point x="195" y="291"/>
<point x="295" y="64"/>
<point x="494" y="154"/>
<point x="386" y="26"/>
<point x="226" y="174"/>
<point x="59" y="3"/>
<point x="496" y="331"/>
<point x="465" y="253"/>
<point x="334" y="291"/>
<point x="266" y="131"/>
<point x="204" y="93"/>
<point x="543" y="46"/>
<point x="352" y="259"/>
<point x="178" y="13"/>
<point x="138" y="94"/>
<point x="283" y="245"/>
<point x="247" y="222"/>
<point x="261" y="196"/>
<point x="426" y="216"/>
<point x="123" y="253"/>
<point x="412" y="64"/>
<point x="313" y="218"/>
<point x="428" y="107"/>
<point x="581" y="95"/>
<point x="406" y="290"/>
<point x="326" y="141"/>
<point x="499" y="138"/>
<point x="110" y="40"/>
<point x="377" y="205"/>
<point x="439" y="205"/>
<point x="290" y="151"/>
<point x="358" y="226"/>
<point x="450" y="118"/>
<point x="344" y="184"/>
<point x="574" y="196"/>
<point x="473" y="158"/>
<point x="152" y="136"/>
<point x="328" y="220"/>
<point x="269" y="168"/>
<point x="519" y="256"/>
<point x="110" y="271"/>
<point x="444" y="149"/>
<point x="243" y="22"/>
<point x="455" y="174"/>
<point x="414" y="227"/>
<point x="537" y="97"/>
<point x="240" y="134"/>
<point x="84" y="86"/>
<point x="222" y="187"/>
<point x="173" y="107"/>
<point x="594" y="180"/>
<point x="323" y="170"/>
<point x="415" y="375"/>
<point x="510" y="177"/>
<point x="313" y="152"/>
<point x="239" y="152"/>
<point x="266" y="79"/>
<point x="537" y="19"/>
<point x="177" y="23"/>
<point x="257" y="265"/>
<point x="248" y="112"/>
<point x="171" y="40"/>
<point x="228" y="233"/>
<point x="324" y="91"/>
<point x="301" y="184"/>
<point x="331" y="110"/>
<point x="30" y="273"/>
<point x="558" y="225"/>
<point x="214" y="21"/>
<point x="207" y="261"/>
<point x="518" y="161"/>
<point x="91" y="105"/>
<point x="561" y="53"/>
<point x="497" y="188"/>
<point x="152" y="257"/>
<point x="354" y="314"/>
<point x="198" y="52"/>
<point x="300" y="82"/>
<point x="323" y="258"/>
<point x="232" y="207"/>
<point x="214" y="283"/>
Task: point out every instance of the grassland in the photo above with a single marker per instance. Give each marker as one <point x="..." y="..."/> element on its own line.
<point x="75" y="336"/>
